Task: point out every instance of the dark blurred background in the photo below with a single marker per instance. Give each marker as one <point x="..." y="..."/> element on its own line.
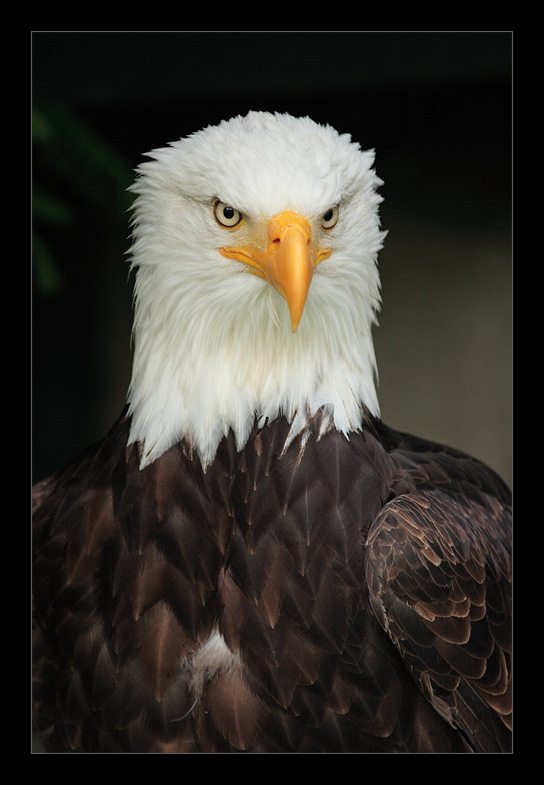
<point x="436" y="106"/>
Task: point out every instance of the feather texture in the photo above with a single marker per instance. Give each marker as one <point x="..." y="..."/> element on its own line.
<point x="321" y="598"/>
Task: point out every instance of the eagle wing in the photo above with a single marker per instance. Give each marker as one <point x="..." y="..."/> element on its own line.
<point x="437" y="563"/>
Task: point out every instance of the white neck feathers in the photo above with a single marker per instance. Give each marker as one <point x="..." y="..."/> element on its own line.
<point x="198" y="378"/>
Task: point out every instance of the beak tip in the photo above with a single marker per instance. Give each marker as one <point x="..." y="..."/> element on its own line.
<point x="294" y="325"/>
<point x="295" y="316"/>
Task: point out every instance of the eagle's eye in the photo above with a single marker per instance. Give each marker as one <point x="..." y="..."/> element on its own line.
<point x="225" y="215"/>
<point x="329" y="219"/>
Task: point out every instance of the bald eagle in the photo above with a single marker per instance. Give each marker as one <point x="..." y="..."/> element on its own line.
<point x="251" y="560"/>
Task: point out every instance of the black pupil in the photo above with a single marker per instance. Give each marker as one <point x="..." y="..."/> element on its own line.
<point x="328" y="215"/>
<point x="228" y="213"/>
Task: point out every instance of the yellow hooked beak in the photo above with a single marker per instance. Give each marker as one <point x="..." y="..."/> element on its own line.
<point x="288" y="261"/>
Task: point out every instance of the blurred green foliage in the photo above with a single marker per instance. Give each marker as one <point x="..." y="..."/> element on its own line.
<point x="74" y="170"/>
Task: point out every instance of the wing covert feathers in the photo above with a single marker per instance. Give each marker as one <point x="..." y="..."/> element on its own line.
<point x="438" y="567"/>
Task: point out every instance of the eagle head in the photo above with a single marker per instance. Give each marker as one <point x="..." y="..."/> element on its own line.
<point x="254" y="245"/>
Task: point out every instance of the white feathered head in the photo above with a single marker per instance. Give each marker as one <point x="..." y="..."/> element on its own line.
<point x="255" y="244"/>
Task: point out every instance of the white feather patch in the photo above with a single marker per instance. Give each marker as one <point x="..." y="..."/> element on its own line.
<point x="211" y="658"/>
